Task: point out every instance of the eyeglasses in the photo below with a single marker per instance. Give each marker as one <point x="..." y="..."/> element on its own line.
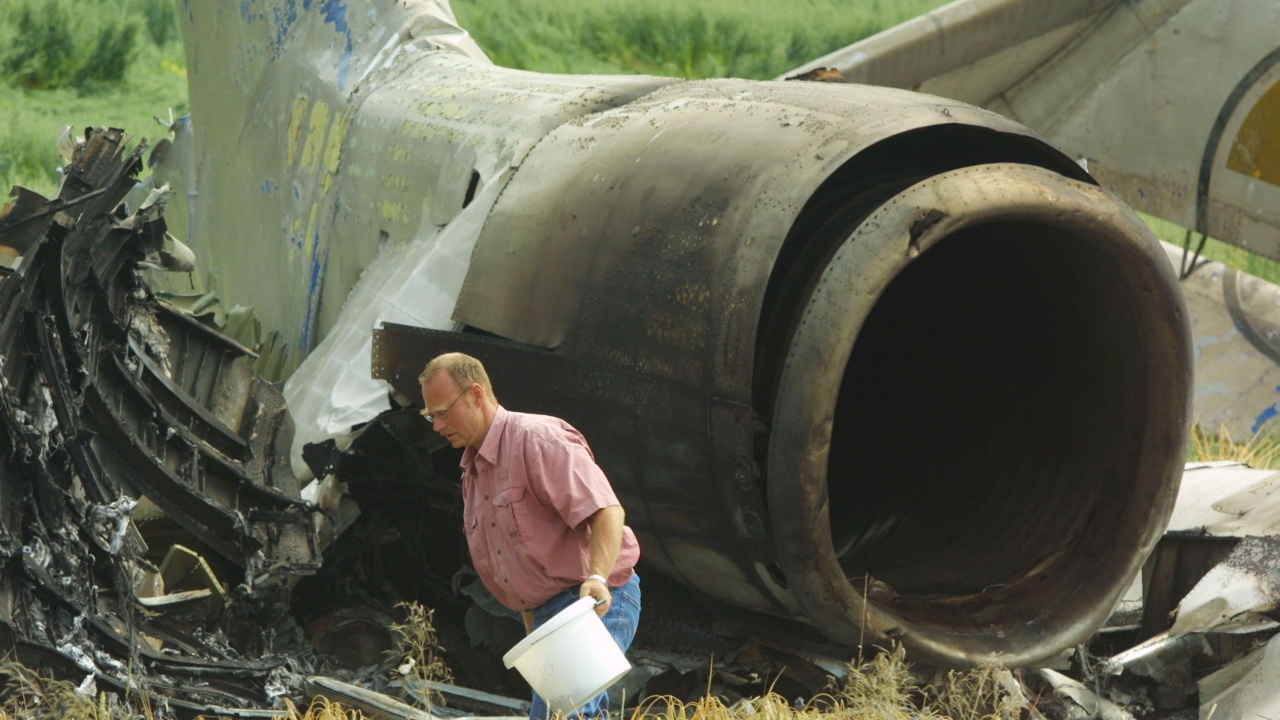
<point x="433" y="417"/>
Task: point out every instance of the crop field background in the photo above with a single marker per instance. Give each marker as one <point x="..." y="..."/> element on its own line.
<point x="758" y="39"/>
<point x="117" y="63"/>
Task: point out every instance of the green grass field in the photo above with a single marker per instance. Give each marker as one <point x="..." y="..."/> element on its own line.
<point x="90" y="62"/>
<point x="758" y="39"/>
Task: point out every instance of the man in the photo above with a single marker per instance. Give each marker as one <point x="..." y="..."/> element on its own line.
<point x="542" y="522"/>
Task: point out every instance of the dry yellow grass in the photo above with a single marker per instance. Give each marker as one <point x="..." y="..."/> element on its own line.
<point x="31" y="696"/>
<point x="883" y="688"/>
<point x="1261" y="451"/>
<point x="878" y="689"/>
<point x="321" y="709"/>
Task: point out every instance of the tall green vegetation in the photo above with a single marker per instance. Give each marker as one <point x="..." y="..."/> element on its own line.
<point x="80" y="63"/>
<point x="709" y="38"/>
<point x="52" y="44"/>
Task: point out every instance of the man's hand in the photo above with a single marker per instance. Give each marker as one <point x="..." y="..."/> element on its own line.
<point x="593" y="588"/>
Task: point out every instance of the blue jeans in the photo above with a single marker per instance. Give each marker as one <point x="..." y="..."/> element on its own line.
<point x="621" y="622"/>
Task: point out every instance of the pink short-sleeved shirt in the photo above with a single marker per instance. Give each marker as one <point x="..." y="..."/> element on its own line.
<point x="527" y="494"/>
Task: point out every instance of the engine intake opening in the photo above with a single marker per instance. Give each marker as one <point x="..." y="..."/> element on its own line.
<point x="981" y="416"/>
<point x="987" y="416"/>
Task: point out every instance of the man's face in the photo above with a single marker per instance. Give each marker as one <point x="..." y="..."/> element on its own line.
<point x="457" y="414"/>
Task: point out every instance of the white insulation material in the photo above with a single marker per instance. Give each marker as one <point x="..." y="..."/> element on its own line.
<point x="418" y="285"/>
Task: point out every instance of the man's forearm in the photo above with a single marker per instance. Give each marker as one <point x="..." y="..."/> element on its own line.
<point x="606" y="539"/>
<point x="606" y="542"/>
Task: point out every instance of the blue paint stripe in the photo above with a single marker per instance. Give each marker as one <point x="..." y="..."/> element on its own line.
<point x="1264" y="416"/>
<point x="313" y="294"/>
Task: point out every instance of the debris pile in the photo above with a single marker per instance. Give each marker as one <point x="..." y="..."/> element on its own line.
<point x="157" y="540"/>
<point x="1209" y="598"/>
<point x="116" y="408"/>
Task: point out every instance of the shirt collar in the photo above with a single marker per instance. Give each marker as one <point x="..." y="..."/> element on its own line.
<point x="492" y="440"/>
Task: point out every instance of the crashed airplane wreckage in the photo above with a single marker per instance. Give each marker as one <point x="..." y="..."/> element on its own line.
<point x="880" y="363"/>
<point x="865" y="366"/>
<point x="115" y="402"/>
<point x="109" y="399"/>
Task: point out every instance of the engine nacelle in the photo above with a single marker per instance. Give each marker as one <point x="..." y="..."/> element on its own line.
<point x="880" y="361"/>
<point x="876" y="360"/>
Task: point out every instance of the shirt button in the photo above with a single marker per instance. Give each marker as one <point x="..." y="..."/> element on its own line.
<point x="491" y="524"/>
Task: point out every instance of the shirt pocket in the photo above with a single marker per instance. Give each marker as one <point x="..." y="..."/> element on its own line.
<point x="509" y="506"/>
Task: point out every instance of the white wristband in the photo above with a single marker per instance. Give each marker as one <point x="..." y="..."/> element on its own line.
<point x="603" y="580"/>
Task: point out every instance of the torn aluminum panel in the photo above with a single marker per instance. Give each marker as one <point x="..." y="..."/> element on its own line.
<point x="1173" y="104"/>
<point x="1086" y="701"/>
<point x="1231" y="511"/>
<point x="370" y="703"/>
<point x="1236" y="596"/>
<point x="1227" y="499"/>
<point x="480" y="702"/>
<point x="298" y="140"/>
<point x="110" y="399"/>
<point x="1246" y="689"/>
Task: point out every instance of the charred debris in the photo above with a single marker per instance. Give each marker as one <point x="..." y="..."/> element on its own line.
<point x="118" y="407"/>
<point x="156" y="541"/>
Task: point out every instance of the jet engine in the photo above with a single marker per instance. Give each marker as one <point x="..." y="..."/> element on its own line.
<point x="879" y="361"/>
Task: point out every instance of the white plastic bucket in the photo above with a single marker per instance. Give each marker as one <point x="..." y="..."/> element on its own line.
<point x="570" y="659"/>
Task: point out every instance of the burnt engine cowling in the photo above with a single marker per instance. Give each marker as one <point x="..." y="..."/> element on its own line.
<point x="879" y="361"/>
